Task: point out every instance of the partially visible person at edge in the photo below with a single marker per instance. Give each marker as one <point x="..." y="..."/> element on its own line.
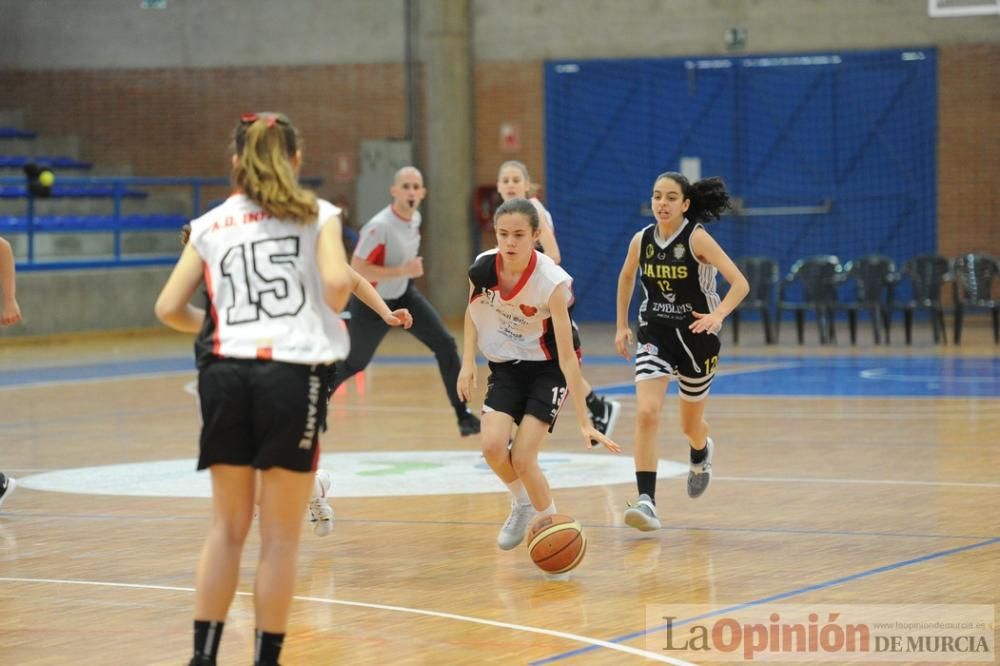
<point x="10" y="314"/>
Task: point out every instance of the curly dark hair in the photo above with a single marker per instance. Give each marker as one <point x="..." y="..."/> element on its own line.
<point x="708" y="196"/>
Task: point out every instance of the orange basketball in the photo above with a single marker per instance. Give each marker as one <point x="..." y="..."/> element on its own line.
<point x="556" y="543"/>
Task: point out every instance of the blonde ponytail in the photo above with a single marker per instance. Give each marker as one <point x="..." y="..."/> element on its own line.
<point x="264" y="145"/>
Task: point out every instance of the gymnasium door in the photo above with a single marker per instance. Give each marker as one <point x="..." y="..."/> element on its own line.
<point x="825" y="154"/>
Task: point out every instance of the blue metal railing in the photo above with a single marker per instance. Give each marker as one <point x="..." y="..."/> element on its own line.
<point x="117" y="188"/>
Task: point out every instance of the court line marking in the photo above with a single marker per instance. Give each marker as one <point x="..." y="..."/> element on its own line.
<point x="778" y="597"/>
<point x="804" y="531"/>
<point x="874" y="482"/>
<point x="593" y="642"/>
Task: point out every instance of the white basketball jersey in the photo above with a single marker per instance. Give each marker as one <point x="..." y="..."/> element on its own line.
<point x="517" y="325"/>
<point x="544" y="216"/>
<point x="264" y="287"/>
<point x="389" y="240"/>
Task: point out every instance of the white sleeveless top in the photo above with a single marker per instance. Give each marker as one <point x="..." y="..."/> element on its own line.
<point x="516" y="326"/>
<point x="264" y="287"/>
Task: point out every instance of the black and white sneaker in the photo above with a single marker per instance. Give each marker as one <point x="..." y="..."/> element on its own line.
<point x="7" y="486"/>
<point x="604" y="415"/>
<point x="700" y="474"/>
<point x="641" y="514"/>
<point x="468" y="424"/>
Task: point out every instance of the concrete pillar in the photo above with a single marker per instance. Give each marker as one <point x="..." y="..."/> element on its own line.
<point x="445" y="49"/>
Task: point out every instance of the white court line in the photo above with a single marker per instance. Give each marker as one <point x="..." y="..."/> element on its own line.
<point x="652" y="656"/>
<point x="873" y="482"/>
<point x="95" y="380"/>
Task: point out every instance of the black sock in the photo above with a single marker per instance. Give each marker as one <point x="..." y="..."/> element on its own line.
<point x="268" y="647"/>
<point x="647" y="484"/>
<point x="595" y="403"/>
<point x="698" y="455"/>
<point x="207" y="636"/>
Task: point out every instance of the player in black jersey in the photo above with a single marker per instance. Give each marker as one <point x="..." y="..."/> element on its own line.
<point x="679" y="321"/>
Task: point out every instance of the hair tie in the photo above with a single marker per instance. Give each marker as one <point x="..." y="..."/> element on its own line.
<point x="271" y="121"/>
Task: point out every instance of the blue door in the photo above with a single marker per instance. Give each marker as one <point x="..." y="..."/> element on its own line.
<point x="831" y="154"/>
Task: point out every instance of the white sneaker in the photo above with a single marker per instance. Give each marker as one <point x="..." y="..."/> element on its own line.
<point x="7" y="486"/>
<point x="700" y="474"/>
<point x="641" y="514"/>
<point x="512" y="532"/>
<point x="320" y="512"/>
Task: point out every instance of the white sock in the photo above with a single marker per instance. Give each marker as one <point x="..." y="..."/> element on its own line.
<point x="550" y="510"/>
<point x="519" y="492"/>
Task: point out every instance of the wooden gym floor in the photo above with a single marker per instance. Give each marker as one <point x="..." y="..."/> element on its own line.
<point x="843" y="475"/>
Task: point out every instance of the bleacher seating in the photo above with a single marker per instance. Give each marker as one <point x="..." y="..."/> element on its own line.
<point x="93" y="223"/>
<point x="73" y="192"/>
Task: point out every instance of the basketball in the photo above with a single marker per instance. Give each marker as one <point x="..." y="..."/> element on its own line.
<point x="556" y="543"/>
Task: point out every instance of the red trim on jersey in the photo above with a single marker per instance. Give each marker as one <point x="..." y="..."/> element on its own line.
<point x="401" y="217"/>
<point x="377" y="255"/>
<point x="315" y="463"/>
<point x="377" y="258"/>
<point x="524" y="276"/>
<point x="216" y="342"/>
<point x="541" y="340"/>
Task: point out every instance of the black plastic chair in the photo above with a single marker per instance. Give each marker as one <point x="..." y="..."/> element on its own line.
<point x="762" y="274"/>
<point x="873" y="276"/>
<point x="973" y="289"/>
<point x="818" y="276"/>
<point x="927" y="275"/>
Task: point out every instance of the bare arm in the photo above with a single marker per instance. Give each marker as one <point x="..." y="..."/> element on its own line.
<point x="626" y="284"/>
<point x="570" y="366"/>
<point x="547" y="237"/>
<point x="333" y="267"/>
<point x="470" y="342"/>
<point x="368" y="295"/>
<point x="173" y="306"/>
<point x="709" y="251"/>
<point x="10" y="311"/>
<point x="413" y="268"/>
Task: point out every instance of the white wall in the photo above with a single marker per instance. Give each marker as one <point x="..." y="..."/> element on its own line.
<point x="66" y="34"/>
<point x="91" y="34"/>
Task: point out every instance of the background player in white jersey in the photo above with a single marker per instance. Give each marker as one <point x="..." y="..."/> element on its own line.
<point x="275" y="271"/>
<point x="679" y="321"/>
<point x="10" y="314"/>
<point x="514" y="182"/>
<point x="519" y="318"/>
<point x="387" y="255"/>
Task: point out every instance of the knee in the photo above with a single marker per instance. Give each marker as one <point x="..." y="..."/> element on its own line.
<point x="447" y="347"/>
<point x="494" y="449"/>
<point x="522" y="464"/>
<point x="232" y="532"/>
<point x="647" y="416"/>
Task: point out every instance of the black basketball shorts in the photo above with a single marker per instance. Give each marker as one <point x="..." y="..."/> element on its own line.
<point x="262" y="413"/>
<point x="662" y="351"/>
<point x="517" y="388"/>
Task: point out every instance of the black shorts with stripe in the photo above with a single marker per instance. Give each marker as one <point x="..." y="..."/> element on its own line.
<point x="262" y="413"/>
<point x="517" y="388"/>
<point x="662" y="351"/>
